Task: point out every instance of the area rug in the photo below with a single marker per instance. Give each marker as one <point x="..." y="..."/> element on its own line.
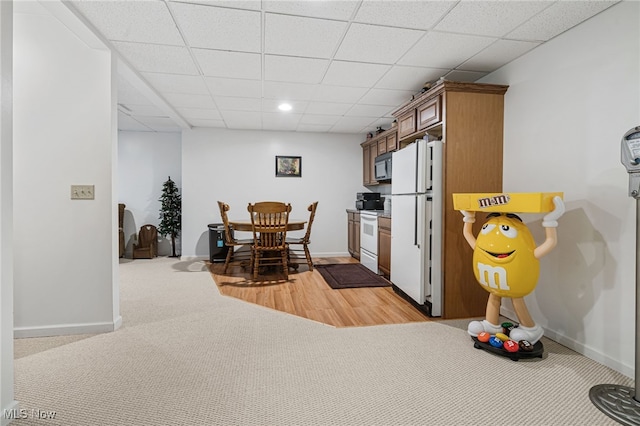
<point x="350" y="275"/>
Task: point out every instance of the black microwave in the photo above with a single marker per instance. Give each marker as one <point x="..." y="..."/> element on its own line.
<point x="382" y="165"/>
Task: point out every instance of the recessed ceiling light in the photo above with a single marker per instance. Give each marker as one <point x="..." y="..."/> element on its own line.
<point x="284" y="107"/>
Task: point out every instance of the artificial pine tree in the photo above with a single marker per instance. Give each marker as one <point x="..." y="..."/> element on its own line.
<point x="170" y="213"/>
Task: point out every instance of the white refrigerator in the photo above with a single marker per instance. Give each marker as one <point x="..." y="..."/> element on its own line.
<point x="416" y="223"/>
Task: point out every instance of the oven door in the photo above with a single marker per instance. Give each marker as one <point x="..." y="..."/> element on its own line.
<point x="369" y="240"/>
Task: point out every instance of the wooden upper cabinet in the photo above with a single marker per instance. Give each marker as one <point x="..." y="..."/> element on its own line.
<point x="392" y="142"/>
<point x="369" y="154"/>
<point x="429" y="113"/>
<point x="366" y="168"/>
<point x="384" y="142"/>
<point x="407" y="124"/>
<point x="372" y="163"/>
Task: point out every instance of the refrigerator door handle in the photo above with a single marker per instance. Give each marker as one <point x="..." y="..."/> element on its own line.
<point x="416" y="222"/>
<point x="420" y="220"/>
<point x="418" y="171"/>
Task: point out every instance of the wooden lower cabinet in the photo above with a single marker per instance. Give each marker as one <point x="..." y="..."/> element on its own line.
<point x="384" y="246"/>
<point x="353" y="234"/>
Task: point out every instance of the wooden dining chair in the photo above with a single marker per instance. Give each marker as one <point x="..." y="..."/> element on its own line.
<point x="269" y="220"/>
<point x="301" y="245"/>
<point x="233" y="243"/>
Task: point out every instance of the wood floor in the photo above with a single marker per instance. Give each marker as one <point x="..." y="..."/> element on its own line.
<point x="307" y="295"/>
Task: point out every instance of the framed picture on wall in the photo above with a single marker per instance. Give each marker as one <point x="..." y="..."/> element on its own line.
<point x="287" y="166"/>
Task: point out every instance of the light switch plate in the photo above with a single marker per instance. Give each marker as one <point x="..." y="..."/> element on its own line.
<point x="82" y="192"/>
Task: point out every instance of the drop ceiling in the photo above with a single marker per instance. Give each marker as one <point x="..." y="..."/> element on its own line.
<point x="344" y="66"/>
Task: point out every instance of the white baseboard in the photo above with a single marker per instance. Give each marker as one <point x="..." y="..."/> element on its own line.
<point x="117" y="323"/>
<point x="66" y="329"/>
<point x="331" y="254"/>
<point x="10" y="413"/>
<point x="579" y="347"/>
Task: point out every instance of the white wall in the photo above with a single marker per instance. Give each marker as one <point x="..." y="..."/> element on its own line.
<point x="569" y="103"/>
<point x="6" y="212"/>
<point x="145" y="161"/>
<point x="238" y="167"/>
<point x="64" y="280"/>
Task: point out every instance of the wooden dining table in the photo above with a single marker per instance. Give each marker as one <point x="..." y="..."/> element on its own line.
<point x="244" y="225"/>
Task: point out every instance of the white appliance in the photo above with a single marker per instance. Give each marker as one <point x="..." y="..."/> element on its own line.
<point x="416" y="223"/>
<point x="369" y="240"/>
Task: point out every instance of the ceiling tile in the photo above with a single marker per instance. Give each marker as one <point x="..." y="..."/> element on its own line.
<point x="236" y="4"/>
<point x="135" y="21"/>
<point x="318" y="128"/>
<point x="370" y="43"/>
<point x="498" y="54"/>
<point x="129" y="94"/>
<point x="469" y="76"/>
<point x="218" y="63"/>
<point x="242" y="119"/>
<point x="355" y="74"/>
<point x="182" y="100"/>
<point x="338" y="94"/>
<point x="157" y="58"/>
<point x="238" y="104"/>
<point x="225" y="63"/>
<point x="200" y="114"/>
<point x="382" y="122"/>
<point x="420" y="15"/>
<point x="558" y="18"/>
<point x="489" y="18"/>
<point x="393" y="98"/>
<point x="441" y="50"/>
<point x="296" y="36"/>
<point x="295" y="70"/>
<point x="176" y="83"/>
<point x="409" y="78"/>
<point x="352" y="124"/>
<point x="271" y="105"/>
<point x="234" y="87"/>
<point x="319" y="119"/>
<point x="341" y="10"/>
<point x="327" y="108"/>
<point x="289" y="91"/>
<point x="219" y="28"/>
<point x="373" y="111"/>
<point x="197" y="122"/>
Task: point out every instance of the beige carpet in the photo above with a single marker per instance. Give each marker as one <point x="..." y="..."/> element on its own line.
<point x="188" y="356"/>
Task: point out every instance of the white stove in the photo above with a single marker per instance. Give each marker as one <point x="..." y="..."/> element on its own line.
<point x="369" y="240"/>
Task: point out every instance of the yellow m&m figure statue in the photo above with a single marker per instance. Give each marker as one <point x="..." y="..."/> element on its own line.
<point x="506" y="264"/>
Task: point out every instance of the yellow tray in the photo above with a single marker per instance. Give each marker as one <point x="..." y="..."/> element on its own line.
<point x="506" y="202"/>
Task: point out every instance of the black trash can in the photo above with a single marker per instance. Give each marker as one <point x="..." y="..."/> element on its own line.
<point x="217" y="248"/>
